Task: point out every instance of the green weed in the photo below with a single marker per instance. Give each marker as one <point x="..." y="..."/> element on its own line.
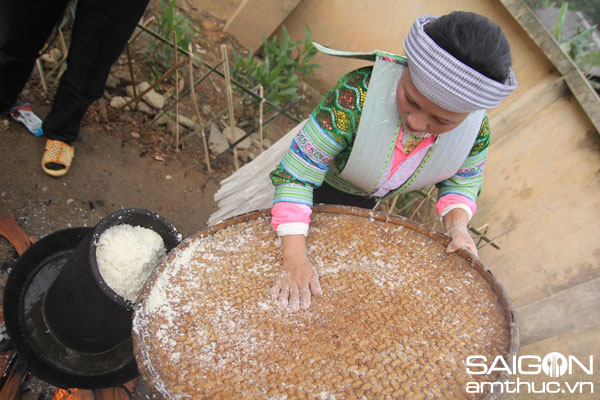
<point x="278" y="68"/>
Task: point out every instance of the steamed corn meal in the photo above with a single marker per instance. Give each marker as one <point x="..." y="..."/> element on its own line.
<point x="126" y="255"/>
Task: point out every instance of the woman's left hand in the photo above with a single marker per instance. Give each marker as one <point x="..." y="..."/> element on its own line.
<point x="455" y="222"/>
<point x="460" y="238"/>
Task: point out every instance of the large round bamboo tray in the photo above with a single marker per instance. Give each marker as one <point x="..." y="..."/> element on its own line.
<point x="397" y="319"/>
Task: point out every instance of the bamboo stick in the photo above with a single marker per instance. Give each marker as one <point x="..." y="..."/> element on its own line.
<point x="167" y="107"/>
<point x="239" y="85"/>
<point x="422" y="201"/>
<point x="176" y="92"/>
<point x="103" y="111"/>
<point x="394" y="201"/>
<point x="139" y="32"/>
<point x="56" y="67"/>
<point x="38" y="64"/>
<point x="63" y="44"/>
<point x="271" y="118"/>
<point x="488" y="240"/>
<point x="212" y="119"/>
<point x="197" y="110"/>
<point x="131" y="74"/>
<point x="483" y="229"/>
<point x="260" y="115"/>
<point x="61" y="71"/>
<point x="156" y="82"/>
<point x="60" y="65"/>
<point x="407" y="205"/>
<point x="236" y="162"/>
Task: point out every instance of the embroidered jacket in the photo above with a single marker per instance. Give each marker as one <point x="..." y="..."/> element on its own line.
<point x="328" y="137"/>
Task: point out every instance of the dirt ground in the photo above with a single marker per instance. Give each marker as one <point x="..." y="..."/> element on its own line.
<point x="114" y="169"/>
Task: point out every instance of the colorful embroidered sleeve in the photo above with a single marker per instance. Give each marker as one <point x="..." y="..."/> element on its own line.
<point x="464" y="186"/>
<point x="329" y="131"/>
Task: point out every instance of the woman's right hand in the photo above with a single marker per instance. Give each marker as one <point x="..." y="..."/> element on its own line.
<point x="297" y="278"/>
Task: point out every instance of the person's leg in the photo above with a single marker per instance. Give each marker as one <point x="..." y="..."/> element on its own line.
<point x="24" y="28"/>
<point x="327" y="194"/>
<point x="100" y="32"/>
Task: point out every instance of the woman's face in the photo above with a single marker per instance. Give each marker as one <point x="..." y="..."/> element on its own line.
<point x="419" y="114"/>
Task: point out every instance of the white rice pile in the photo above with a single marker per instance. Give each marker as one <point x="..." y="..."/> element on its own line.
<point x="126" y="256"/>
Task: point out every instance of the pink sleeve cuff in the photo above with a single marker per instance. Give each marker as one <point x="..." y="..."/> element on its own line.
<point x="285" y="213"/>
<point x="450" y="201"/>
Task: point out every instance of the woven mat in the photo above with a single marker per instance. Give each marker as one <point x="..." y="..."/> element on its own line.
<point x="398" y="316"/>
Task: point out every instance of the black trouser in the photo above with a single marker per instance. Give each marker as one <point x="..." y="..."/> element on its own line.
<point x="100" y="32"/>
<point x="327" y="194"/>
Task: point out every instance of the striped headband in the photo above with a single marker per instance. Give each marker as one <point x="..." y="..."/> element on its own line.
<point x="446" y="81"/>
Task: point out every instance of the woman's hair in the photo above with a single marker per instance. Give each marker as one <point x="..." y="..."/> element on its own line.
<point x="473" y="40"/>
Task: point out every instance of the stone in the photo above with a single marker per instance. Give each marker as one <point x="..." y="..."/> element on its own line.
<point x="135" y="135"/>
<point x="162" y="120"/>
<point x="146" y="109"/>
<point x="188" y="123"/>
<point x="154" y="99"/>
<point x="267" y="143"/>
<point x="131" y="106"/>
<point x="112" y="82"/>
<point x="139" y="89"/>
<point x="236" y="134"/>
<point x="142" y="86"/>
<point x="117" y="102"/>
<point x="172" y="127"/>
<point x="51" y="58"/>
<point x="47" y="61"/>
<point x="122" y="76"/>
<point x="243" y="155"/>
<point x="216" y="141"/>
<point x="56" y="54"/>
<point x="129" y="91"/>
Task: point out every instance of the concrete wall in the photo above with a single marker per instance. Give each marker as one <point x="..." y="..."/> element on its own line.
<point x="364" y="25"/>
<point x="257" y="18"/>
<point x="221" y="9"/>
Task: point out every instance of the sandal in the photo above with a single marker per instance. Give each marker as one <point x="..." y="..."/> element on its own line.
<point x="57" y="157"/>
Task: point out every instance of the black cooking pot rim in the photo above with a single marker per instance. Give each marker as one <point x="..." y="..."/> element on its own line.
<point x="133" y="216"/>
<point x="31" y="262"/>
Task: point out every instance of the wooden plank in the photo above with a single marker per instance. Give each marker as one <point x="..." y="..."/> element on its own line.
<point x="73" y="394"/>
<point x="574" y="308"/>
<point x="17" y="375"/>
<point x="129" y="386"/>
<point x="526" y="107"/>
<point x="538" y="193"/>
<point x="582" y="344"/>
<point x="115" y="393"/>
<point x="14" y="234"/>
<point x="579" y="85"/>
<point x="5" y="359"/>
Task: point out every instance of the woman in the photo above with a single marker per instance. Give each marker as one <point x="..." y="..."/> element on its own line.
<point x="390" y="129"/>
